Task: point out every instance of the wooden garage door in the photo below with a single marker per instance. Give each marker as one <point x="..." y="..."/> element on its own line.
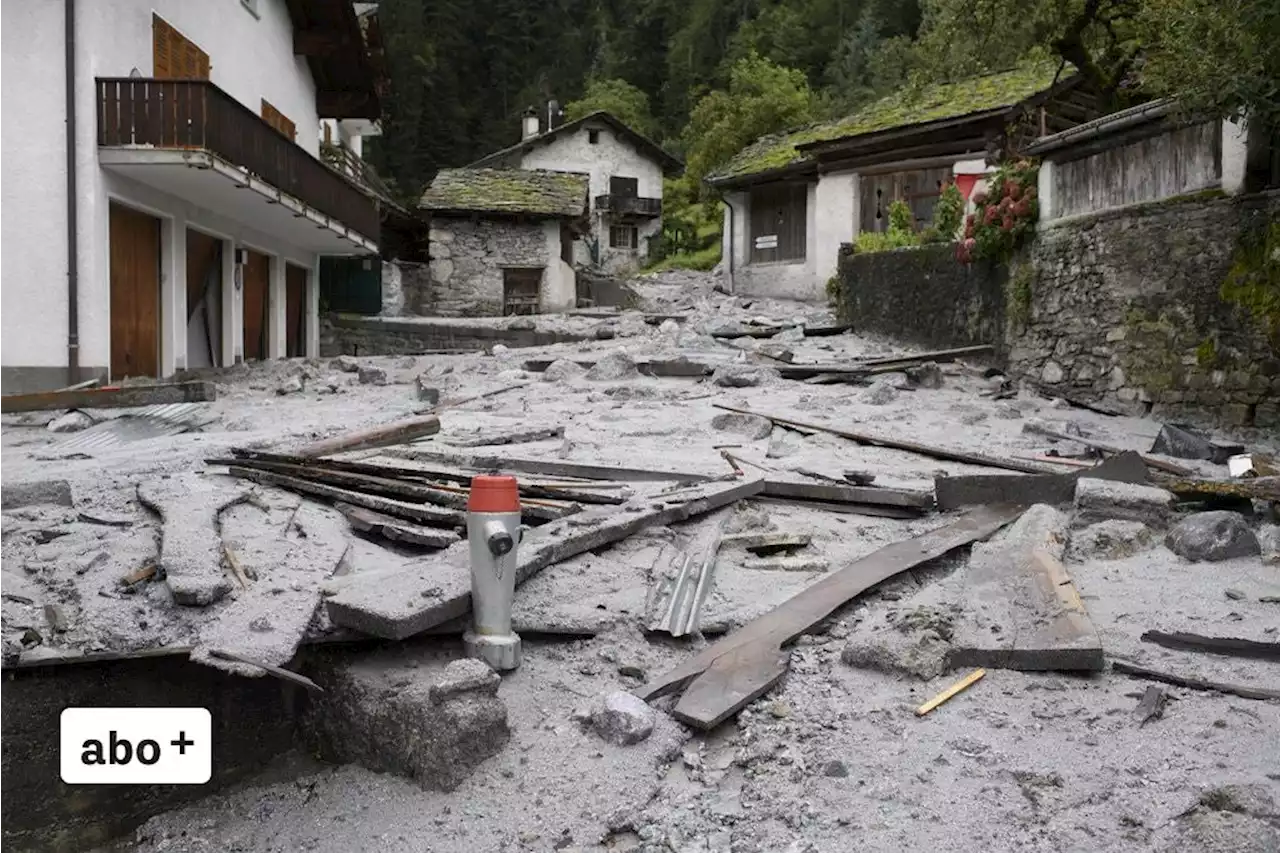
<point x="135" y="293"/>
<point x="256" y="284"/>
<point x="295" y="294"/>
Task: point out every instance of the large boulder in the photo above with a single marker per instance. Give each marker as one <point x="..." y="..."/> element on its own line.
<point x="622" y="719"/>
<point x="1213" y="536"/>
<point x="615" y="365"/>
<point x="1114" y="539"/>
<point x="1101" y="500"/>
<point x="753" y="427"/>
<point x="743" y="375"/>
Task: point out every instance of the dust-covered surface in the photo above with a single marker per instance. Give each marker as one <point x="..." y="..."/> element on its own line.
<point x="833" y="759"/>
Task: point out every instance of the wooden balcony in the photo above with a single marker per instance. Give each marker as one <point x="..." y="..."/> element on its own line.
<point x="195" y="115"/>
<point x="629" y="206"/>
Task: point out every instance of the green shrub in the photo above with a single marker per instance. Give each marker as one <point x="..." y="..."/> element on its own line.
<point x="883" y="241"/>
<point x="901" y="218"/>
<point x="948" y="213"/>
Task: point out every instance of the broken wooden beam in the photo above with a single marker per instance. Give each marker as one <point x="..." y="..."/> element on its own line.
<point x="1228" y="646"/>
<point x="421" y="513"/>
<point x="1193" y="683"/>
<point x="661" y="368"/>
<point x="1158" y="464"/>
<point x="940" y="355"/>
<point x="968" y="490"/>
<point x="386" y="435"/>
<point x="395" y="605"/>
<point x="734" y="671"/>
<point x="553" y="468"/>
<point x="872" y="495"/>
<point x="1196" y="489"/>
<point x="518" y="436"/>
<point x="896" y="444"/>
<point x="114" y="397"/>
<point x="876" y="510"/>
<point x="394" y="529"/>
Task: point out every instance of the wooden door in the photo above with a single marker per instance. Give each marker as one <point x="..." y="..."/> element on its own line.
<point x="256" y="283"/>
<point x="135" y="293"/>
<point x="520" y="291"/>
<point x="295" y="297"/>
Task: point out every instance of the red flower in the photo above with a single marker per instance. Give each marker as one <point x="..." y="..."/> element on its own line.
<point x="968" y="229"/>
<point x="1022" y="208"/>
<point x="1007" y="224"/>
<point x="990" y="215"/>
<point x="1008" y="188"/>
<point x="969" y="243"/>
<point x="1006" y="204"/>
<point x="979" y="198"/>
<point x="1015" y="190"/>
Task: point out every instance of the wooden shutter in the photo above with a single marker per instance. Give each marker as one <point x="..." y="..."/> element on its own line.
<point x="174" y="55"/>
<point x="279" y="121"/>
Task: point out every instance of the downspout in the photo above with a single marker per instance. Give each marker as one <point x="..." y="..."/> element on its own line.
<point x="733" y="215"/>
<point x="73" y="259"/>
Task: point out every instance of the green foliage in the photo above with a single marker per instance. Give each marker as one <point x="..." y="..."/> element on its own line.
<point x="901" y="218"/>
<point x="701" y="259"/>
<point x="1018" y="292"/>
<point x="900" y="235"/>
<point x="1206" y="353"/>
<point x="618" y="97"/>
<point x="762" y="98"/>
<point x="1253" y="282"/>
<point x="1004" y="216"/>
<point x="948" y="213"/>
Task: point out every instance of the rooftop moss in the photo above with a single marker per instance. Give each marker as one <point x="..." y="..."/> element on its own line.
<point x="904" y="108"/>
<point x="524" y="191"/>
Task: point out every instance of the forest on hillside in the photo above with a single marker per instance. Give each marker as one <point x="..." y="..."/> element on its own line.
<point x="707" y="77"/>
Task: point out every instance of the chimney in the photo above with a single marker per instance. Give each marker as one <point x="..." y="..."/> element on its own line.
<point x="555" y="115"/>
<point x="529" y="124"/>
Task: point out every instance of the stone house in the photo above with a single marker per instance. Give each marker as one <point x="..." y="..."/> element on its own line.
<point x="502" y="241"/>
<point x="792" y="199"/>
<point x="626" y="171"/>
<point x="165" y="181"/>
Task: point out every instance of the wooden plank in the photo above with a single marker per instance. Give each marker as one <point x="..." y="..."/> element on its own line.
<point x="955" y="492"/>
<point x="394" y="530"/>
<point x="939" y="355"/>
<point x="846" y="508"/>
<point x="896" y="444"/>
<point x="393" y="605"/>
<point x="386" y="435"/>
<point x="847" y="494"/>
<point x="113" y="397"/>
<point x="421" y="513"/>
<point x="825" y="331"/>
<point x="737" y="669"/>
<point x="1228" y="646"/>
<point x="514" y="436"/>
<point x="1159" y="464"/>
<point x="1192" y="683"/>
<point x="554" y="468"/>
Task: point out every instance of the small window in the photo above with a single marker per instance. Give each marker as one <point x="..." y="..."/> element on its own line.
<point x="624" y="187"/>
<point x="593" y="136"/>
<point x="624" y="237"/>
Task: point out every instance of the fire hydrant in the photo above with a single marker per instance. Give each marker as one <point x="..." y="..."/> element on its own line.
<point x="493" y="531"/>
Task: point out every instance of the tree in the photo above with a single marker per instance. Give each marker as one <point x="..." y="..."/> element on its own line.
<point x="1220" y="57"/>
<point x="762" y="98"/>
<point x="618" y="97"/>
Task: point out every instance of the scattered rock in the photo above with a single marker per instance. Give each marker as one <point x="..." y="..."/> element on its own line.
<point x="292" y="385"/>
<point x="1233" y="594"/>
<point x="372" y="376"/>
<point x="753" y="427"/>
<point x="1212" y="536"/>
<point x="970" y="416"/>
<point x="427" y="393"/>
<point x="261" y="624"/>
<point x="779" y="709"/>
<point x="1101" y="500"/>
<point x="669" y="329"/>
<point x="743" y="375"/>
<point x="466" y="675"/>
<point x="777" y="352"/>
<point x="782" y="443"/>
<point x="1110" y="540"/>
<point x="16" y="495"/>
<point x="747" y="516"/>
<point x="522" y="324"/>
<point x="604" y="333"/>
<point x="927" y="375"/>
<point x="1269" y="542"/>
<point x="346" y="364"/>
<point x="622" y="719"/>
<point x="499" y="349"/>
<point x="835" y="770"/>
<point x="615" y="365"/>
<point x="878" y="394"/>
<point x="73" y="421"/>
<point x="912" y="642"/>
<point x="1039" y="426"/>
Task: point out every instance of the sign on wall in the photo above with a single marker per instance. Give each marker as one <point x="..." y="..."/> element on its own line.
<point x="767" y="241"/>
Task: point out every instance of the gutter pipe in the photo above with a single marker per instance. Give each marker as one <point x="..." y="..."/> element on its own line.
<point x="73" y="259"/>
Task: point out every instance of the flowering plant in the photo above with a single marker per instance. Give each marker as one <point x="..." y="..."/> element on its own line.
<point x="1004" y="216"/>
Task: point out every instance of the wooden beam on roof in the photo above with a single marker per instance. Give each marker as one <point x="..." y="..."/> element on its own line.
<point x="317" y="41"/>
<point x="900" y="159"/>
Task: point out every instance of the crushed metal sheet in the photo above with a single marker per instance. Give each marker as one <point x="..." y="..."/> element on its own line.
<point x="137" y="425"/>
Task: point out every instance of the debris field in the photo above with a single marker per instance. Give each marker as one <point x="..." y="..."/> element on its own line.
<point x="782" y="587"/>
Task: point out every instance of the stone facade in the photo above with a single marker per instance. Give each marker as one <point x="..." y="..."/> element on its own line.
<point x="1125" y="308"/>
<point x="351" y="334"/>
<point x="923" y="295"/>
<point x="467" y="259"/>
<point x="1122" y="309"/>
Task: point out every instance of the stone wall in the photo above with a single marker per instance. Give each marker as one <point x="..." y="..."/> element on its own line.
<point x="467" y="259"/>
<point x="923" y="296"/>
<point x="1125" y="308"/>
<point x="352" y="334"/>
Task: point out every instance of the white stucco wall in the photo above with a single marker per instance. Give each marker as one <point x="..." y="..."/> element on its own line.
<point x="251" y="58"/>
<point x="1235" y="156"/>
<point x="803" y="280"/>
<point x="835" y="221"/>
<point x="611" y="156"/>
<point x="559" y="282"/>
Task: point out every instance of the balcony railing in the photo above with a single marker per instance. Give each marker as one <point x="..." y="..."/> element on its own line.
<point x="195" y="114"/>
<point x="622" y="205"/>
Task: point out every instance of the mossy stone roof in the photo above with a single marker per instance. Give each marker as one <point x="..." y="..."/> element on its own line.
<point x="531" y="192"/>
<point x="902" y="109"/>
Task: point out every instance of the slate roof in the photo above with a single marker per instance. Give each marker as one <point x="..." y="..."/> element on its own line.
<point x="905" y="108"/>
<point x="529" y="192"/>
<point x="642" y="143"/>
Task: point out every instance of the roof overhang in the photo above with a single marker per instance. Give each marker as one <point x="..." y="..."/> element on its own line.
<point x="345" y="56"/>
<point x="647" y="147"/>
<point x="1111" y="131"/>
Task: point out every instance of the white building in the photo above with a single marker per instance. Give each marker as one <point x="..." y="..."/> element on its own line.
<point x="626" y="171"/>
<point x="792" y="199"/>
<point x="165" y="204"/>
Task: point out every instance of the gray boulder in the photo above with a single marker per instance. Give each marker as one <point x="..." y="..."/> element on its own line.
<point x="878" y="394"/>
<point x="345" y="363"/>
<point x="615" y="365"/>
<point x="1213" y="536"/>
<point x="1110" y="540"/>
<point x="372" y="376"/>
<point x="622" y="719"/>
<point x="563" y="370"/>
<point x="742" y="375"/>
<point x="1101" y="500"/>
<point x="753" y="427"/>
<point x="72" y="421"/>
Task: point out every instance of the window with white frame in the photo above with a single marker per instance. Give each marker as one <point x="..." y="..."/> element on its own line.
<point x="624" y="237"/>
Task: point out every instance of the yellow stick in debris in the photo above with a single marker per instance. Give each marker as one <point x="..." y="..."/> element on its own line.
<point x="960" y="686"/>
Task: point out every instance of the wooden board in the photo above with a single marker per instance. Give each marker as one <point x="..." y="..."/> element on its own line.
<point x="111" y="398"/>
<point x="255" y="296"/>
<point x="736" y="670"/>
<point x="1192" y="683"/>
<point x="393" y="605"/>
<point x="384" y="435"/>
<point x="552" y="468"/>
<point x="135" y="293"/>
<point x="394" y="530"/>
<point x="955" y="492"/>
<point x="295" y="308"/>
<point x="1228" y="646"/>
<point x="420" y="513"/>
<point x="847" y="494"/>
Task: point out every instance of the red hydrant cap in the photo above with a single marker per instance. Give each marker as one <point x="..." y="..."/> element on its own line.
<point x="493" y="494"/>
